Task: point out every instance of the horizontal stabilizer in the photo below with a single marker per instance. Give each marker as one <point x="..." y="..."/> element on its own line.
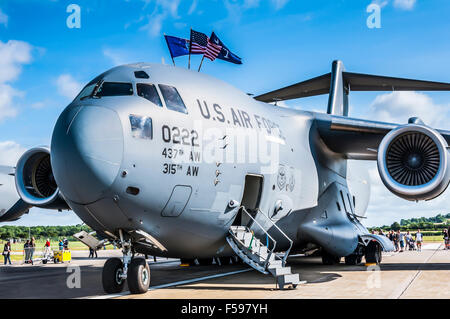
<point x="352" y="82"/>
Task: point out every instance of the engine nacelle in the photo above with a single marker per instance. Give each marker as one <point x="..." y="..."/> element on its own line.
<point x="413" y="162"/>
<point x="35" y="182"/>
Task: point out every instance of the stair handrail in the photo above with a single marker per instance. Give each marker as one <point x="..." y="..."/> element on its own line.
<point x="268" y="235"/>
<point x="291" y="243"/>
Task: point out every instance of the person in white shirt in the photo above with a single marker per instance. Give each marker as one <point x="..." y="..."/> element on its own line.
<point x="419" y="240"/>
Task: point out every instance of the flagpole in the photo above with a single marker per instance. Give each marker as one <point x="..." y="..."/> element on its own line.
<point x="200" y="66"/>
<point x="190" y="41"/>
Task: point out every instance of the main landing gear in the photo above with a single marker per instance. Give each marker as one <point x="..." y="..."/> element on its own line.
<point x="373" y="253"/>
<point x="134" y="270"/>
<point x="328" y="259"/>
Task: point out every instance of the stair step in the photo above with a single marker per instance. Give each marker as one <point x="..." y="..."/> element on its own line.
<point x="280" y="271"/>
<point x="238" y="228"/>
<point x="255" y="253"/>
<point x="288" y="279"/>
<point x="275" y="263"/>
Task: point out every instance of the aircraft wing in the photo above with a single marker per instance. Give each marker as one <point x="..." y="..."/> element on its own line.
<point x="356" y="138"/>
<point x="7" y="170"/>
<point x="353" y="82"/>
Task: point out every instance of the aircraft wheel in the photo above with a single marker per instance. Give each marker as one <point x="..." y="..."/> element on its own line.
<point x="111" y="280"/>
<point x="205" y="261"/>
<point x="328" y="259"/>
<point x="352" y="259"/>
<point x="373" y="253"/>
<point x="138" y="276"/>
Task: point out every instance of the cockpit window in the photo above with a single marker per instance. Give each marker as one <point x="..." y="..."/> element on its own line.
<point x="141" y="75"/>
<point x="148" y="91"/>
<point x="172" y="98"/>
<point x="87" y="91"/>
<point x="114" y="89"/>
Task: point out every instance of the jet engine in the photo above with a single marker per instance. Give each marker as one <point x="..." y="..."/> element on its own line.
<point x="35" y="182"/>
<point x="413" y="162"/>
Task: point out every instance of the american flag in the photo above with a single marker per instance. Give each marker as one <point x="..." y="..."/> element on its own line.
<point x="212" y="50"/>
<point x="199" y="42"/>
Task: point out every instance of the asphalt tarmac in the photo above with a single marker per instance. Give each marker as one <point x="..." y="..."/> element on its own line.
<point x="409" y="274"/>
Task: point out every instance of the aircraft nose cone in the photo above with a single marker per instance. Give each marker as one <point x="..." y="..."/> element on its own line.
<point x="86" y="152"/>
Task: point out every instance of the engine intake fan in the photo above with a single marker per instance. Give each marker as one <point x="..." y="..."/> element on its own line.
<point x="35" y="182"/>
<point x="413" y="162"/>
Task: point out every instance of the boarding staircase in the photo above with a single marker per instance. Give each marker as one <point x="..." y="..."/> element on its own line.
<point x="258" y="255"/>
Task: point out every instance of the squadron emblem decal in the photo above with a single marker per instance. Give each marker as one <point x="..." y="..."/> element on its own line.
<point x="281" y="179"/>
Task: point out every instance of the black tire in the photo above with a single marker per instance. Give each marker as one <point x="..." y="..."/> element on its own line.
<point x="205" y="261"/>
<point x="112" y="283"/>
<point x="138" y="276"/>
<point x="351" y="260"/>
<point x="328" y="259"/>
<point x="44" y="261"/>
<point x="373" y="253"/>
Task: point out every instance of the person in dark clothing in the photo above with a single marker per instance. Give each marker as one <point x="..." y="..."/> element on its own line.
<point x="26" y="251"/>
<point x="92" y="252"/>
<point x="7" y="252"/>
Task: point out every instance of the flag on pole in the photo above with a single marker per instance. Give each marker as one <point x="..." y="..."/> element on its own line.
<point x="212" y="50"/>
<point x="198" y="43"/>
<point x="177" y="46"/>
<point x="225" y="54"/>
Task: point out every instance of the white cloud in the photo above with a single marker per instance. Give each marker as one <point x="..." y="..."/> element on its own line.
<point x="68" y="86"/>
<point x="13" y="54"/>
<point x="399" y="106"/>
<point x="192" y="7"/>
<point x="161" y="11"/>
<point x="154" y="24"/>
<point x="251" y="3"/>
<point x="7" y="95"/>
<point x="10" y="152"/>
<point x="116" y="58"/>
<point x="279" y="4"/>
<point x="404" y="4"/>
<point x="3" y="18"/>
<point x="381" y="3"/>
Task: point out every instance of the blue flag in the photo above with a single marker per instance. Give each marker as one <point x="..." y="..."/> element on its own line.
<point x="225" y="54"/>
<point x="177" y="46"/>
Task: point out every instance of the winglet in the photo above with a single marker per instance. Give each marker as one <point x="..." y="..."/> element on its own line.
<point x="338" y="97"/>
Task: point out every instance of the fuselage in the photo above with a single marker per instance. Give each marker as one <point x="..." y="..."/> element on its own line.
<point x="122" y="161"/>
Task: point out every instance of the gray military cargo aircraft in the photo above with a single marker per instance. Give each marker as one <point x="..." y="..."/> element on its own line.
<point x="169" y="162"/>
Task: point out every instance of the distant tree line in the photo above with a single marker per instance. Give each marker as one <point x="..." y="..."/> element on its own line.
<point x="435" y="224"/>
<point x="41" y="232"/>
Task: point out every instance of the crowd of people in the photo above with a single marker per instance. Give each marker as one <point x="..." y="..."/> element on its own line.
<point x="29" y="249"/>
<point x="406" y="241"/>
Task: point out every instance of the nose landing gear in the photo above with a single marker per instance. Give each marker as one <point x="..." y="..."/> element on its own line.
<point x="134" y="270"/>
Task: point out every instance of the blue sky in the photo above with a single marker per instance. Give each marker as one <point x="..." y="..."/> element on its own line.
<point x="280" y="41"/>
